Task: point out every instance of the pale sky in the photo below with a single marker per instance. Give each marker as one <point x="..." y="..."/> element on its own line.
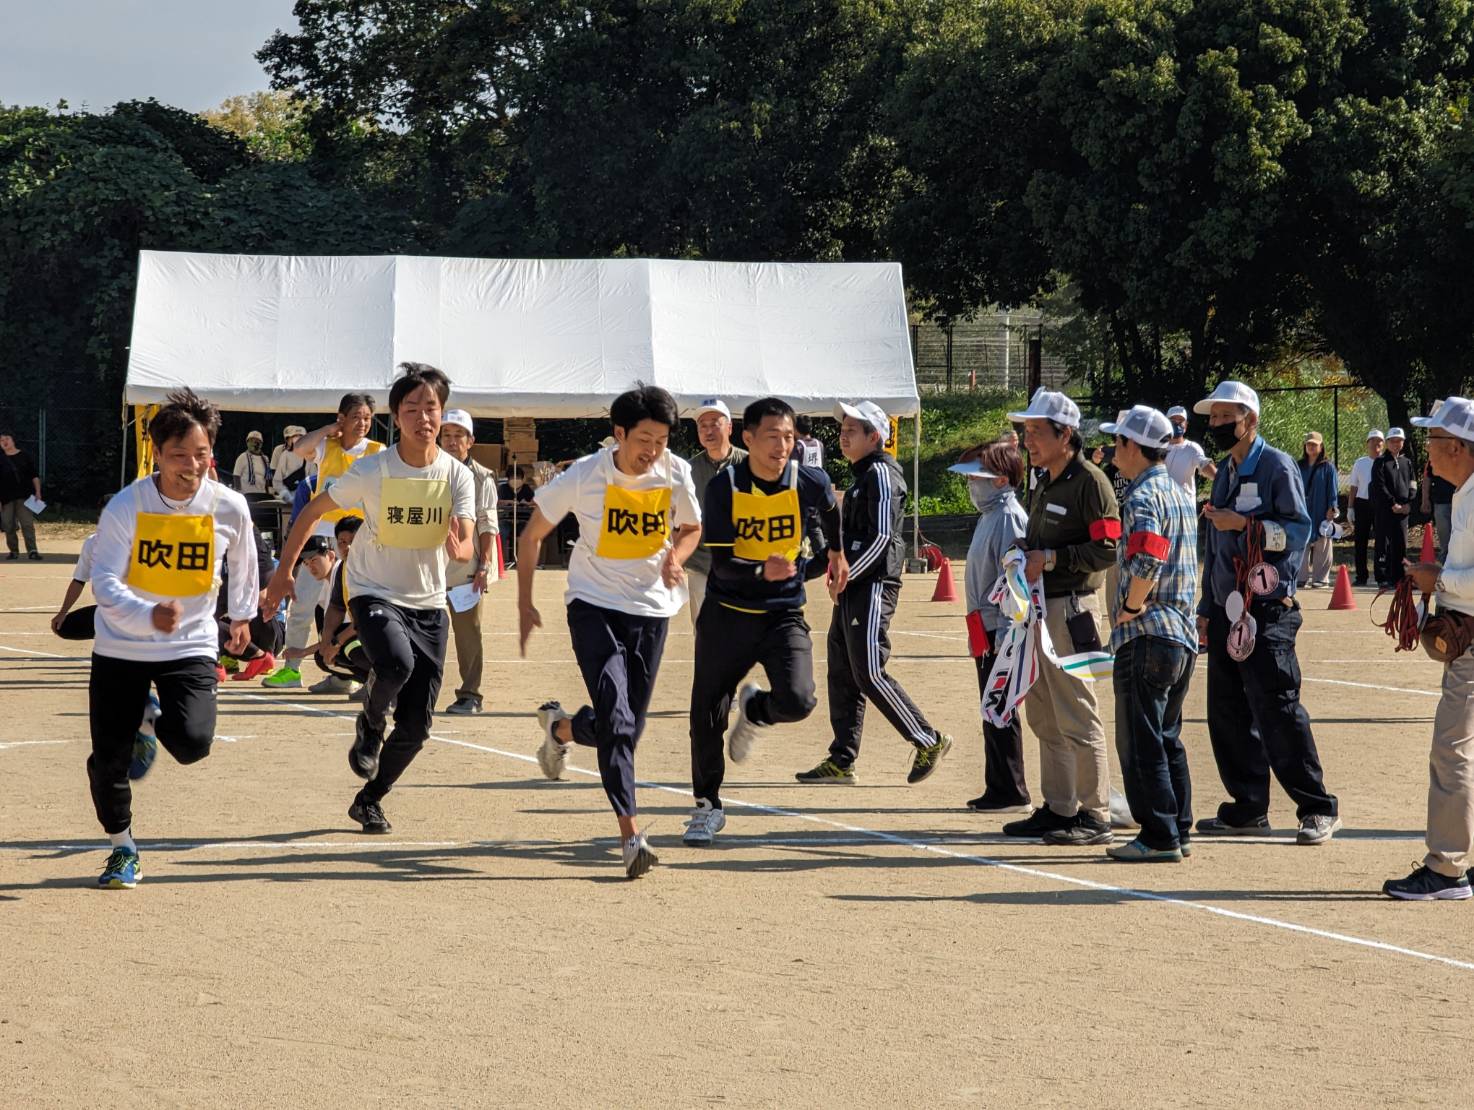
<point x="97" y="52"/>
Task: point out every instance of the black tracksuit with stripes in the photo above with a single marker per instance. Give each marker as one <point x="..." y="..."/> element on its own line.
<point x="858" y="644"/>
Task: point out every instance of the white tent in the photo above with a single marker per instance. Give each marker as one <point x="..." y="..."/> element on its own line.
<point x="275" y="333"/>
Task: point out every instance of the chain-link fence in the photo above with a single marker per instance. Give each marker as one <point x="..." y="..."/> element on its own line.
<point x="994" y="351"/>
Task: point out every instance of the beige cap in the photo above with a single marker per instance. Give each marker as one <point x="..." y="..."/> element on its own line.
<point x="293" y="430"/>
<point x="1314" y="437"/>
<point x="256" y="436"/>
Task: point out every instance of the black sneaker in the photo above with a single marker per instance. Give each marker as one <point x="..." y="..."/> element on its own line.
<point x="984" y="804"/>
<point x="1036" y="824"/>
<point x="1084" y="829"/>
<point x="1426" y="885"/>
<point x="369" y="814"/>
<point x="363" y="757"/>
<point x="927" y="758"/>
<point x="828" y="773"/>
<point x="1217" y="826"/>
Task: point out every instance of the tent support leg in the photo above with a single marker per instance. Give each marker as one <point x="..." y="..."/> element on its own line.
<point x="916" y="489"/>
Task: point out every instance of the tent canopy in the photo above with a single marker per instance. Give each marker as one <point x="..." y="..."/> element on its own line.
<point x="518" y="337"/>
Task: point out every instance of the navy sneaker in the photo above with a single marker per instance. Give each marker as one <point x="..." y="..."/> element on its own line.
<point x="1427" y="885"/>
<point x="145" y="742"/>
<point x="121" y="872"/>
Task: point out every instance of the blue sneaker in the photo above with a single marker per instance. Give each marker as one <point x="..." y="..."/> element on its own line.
<point x="122" y="871"/>
<point x="145" y="742"/>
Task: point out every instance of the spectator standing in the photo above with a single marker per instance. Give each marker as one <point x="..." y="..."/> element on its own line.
<point x="19" y="479"/>
<point x="1392" y="501"/>
<point x="287" y="467"/>
<point x="1318" y="476"/>
<point x="714" y="429"/>
<point x="1186" y="458"/>
<point x="251" y="467"/>
<point x="457" y="435"/>
<point x="1359" y="501"/>
<point x="806" y="449"/>
<point x="514" y="499"/>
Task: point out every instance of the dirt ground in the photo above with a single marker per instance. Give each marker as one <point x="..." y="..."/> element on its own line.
<point x="877" y="945"/>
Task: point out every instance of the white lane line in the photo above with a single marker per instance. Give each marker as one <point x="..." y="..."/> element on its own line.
<point x="1372" y="686"/>
<point x="29" y="743"/>
<point x="371" y="843"/>
<point x="43" y="654"/>
<point x="29" y="609"/>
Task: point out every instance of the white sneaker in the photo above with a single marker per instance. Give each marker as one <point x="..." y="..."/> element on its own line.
<point x="552" y="755"/>
<point x="743" y="733"/>
<point x="332" y="684"/>
<point x="704" y="823"/>
<point x="638" y="858"/>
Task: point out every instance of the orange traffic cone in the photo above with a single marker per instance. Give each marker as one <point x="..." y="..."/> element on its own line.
<point x="946" y="589"/>
<point x="1429" y="553"/>
<point x="1341" y="596"/>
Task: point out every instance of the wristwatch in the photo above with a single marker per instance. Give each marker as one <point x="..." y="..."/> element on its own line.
<point x="1050" y="558"/>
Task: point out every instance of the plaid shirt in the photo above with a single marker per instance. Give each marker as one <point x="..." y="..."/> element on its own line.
<point x="1159" y="541"/>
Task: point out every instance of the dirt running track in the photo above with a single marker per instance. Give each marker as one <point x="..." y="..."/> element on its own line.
<point x="877" y="945"/>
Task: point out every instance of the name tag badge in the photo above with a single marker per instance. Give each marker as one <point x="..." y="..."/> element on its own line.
<point x="1248" y="499"/>
<point x="1051" y="507"/>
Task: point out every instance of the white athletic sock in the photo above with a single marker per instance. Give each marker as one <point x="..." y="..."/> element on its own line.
<point x="123" y="839"/>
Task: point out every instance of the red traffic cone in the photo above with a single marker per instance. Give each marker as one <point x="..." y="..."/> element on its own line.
<point x="1429" y="553"/>
<point x="946" y="589"/>
<point x="1341" y="596"/>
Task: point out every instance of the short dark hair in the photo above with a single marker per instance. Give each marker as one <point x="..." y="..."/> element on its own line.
<point x="7" y="432"/>
<point x="351" y="401"/>
<point x="182" y="410"/>
<point x="1076" y="443"/>
<point x="349" y="524"/>
<point x="803" y="425"/>
<point x="764" y="407"/>
<point x="644" y="402"/>
<point x="1153" y="454"/>
<point x="415" y="375"/>
<point x="516" y="470"/>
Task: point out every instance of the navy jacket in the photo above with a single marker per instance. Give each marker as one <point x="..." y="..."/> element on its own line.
<point x="1266" y="486"/>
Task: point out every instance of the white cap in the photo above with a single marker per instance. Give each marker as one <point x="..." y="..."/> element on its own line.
<point x="1048" y="405"/>
<point x="867" y="412"/>
<point x="1143" y="424"/>
<point x="460" y="418"/>
<point x="1454" y="415"/>
<point x="1375" y="433"/>
<point x="972" y="469"/>
<point x="712" y="404"/>
<point x="254" y="435"/>
<point x="1177" y="410"/>
<point x="1395" y="433"/>
<point x="293" y="430"/>
<point x="1231" y="393"/>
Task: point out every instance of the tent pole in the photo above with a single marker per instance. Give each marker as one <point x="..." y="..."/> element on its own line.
<point x="916" y="488"/>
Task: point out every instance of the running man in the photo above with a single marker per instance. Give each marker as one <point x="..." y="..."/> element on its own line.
<point x="858" y="644"/>
<point x="331" y="449"/>
<point x="638" y="522"/>
<point x="754" y="610"/>
<point x="418" y="506"/>
<point x="157" y="560"/>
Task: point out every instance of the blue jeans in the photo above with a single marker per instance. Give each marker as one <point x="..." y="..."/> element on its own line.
<point x="1151" y="679"/>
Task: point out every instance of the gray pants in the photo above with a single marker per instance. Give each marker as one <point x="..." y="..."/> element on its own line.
<point x="1316" y="566"/>
<point x="1443" y="522"/>
<point x="14" y="514"/>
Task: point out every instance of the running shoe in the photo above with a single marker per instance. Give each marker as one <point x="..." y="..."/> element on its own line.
<point x="744" y="731"/>
<point x="464" y="707"/>
<point x="1083" y="830"/>
<point x="1217" y="826"/>
<point x="145" y="742"/>
<point x="703" y="824"/>
<point x="552" y="754"/>
<point x="332" y="684"/>
<point x="1036" y="824"/>
<point x="927" y="759"/>
<point x="1317" y="829"/>
<point x="229" y="664"/>
<point x="1137" y="852"/>
<point x="369" y="814"/>
<point x="638" y="858"/>
<point x="121" y="872"/>
<point x="263" y="662"/>
<point x="359" y="692"/>
<point x="287" y="678"/>
<point x="984" y="804"/>
<point x="363" y="757"/>
<point x="1427" y="885"/>
<point x="828" y="773"/>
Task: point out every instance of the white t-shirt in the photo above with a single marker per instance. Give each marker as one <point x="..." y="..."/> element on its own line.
<point x="325" y="527"/>
<point x="413" y="578"/>
<point x="625" y="585"/>
<point x="83" y="571"/>
<point x="1184" y="460"/>
<point x="125" y="627"/>
<point x="1361" y="477"/>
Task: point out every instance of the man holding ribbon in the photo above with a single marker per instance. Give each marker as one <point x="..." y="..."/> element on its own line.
<point x="1071" y="541"/>
<point x="1258" y="528"/>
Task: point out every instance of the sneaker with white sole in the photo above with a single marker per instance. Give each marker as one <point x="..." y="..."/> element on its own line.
<point x="744" y="731"/>
<point x="552" y="754"/>
<point x="703" y="824"/>
<point x="1427" y="885"/>
<point x="638" y="858"/>
<point x="332" y="684"/>
<point x="1317" y="829"/>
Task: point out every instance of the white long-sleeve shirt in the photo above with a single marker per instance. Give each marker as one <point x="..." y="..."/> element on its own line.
<point x="125" y="628"/>
<point x="1457" y="578"/>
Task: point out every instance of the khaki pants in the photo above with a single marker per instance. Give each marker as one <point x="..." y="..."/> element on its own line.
<point x="1074" y="774"/>
<point x="696" y="584"/>
<point x="466" y="628"/>
<point x="1451" y="774"/>
<point x="15" y="515"/>
<point x="1316" y="566"/>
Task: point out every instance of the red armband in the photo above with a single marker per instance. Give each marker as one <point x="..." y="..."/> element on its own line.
<point x="1148" y="543"/>
<point x="977" y="635"/>
<point x="1105" y="529"/>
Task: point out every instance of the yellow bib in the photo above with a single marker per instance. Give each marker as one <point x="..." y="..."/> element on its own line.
<point x="335" y="463"/>
<point x="173" y="556"/>
<point x="767" y="524"/>
<point x="636" y="523"/>
<point x="414" y="513"/>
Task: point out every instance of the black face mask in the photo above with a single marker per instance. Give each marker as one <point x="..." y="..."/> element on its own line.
<point x="1225" y="435"/>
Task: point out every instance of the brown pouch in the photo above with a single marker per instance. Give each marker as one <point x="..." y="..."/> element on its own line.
<point x="1446" y="635"/>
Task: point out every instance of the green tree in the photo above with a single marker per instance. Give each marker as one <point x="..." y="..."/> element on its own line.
<point x="273" y="125"/>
